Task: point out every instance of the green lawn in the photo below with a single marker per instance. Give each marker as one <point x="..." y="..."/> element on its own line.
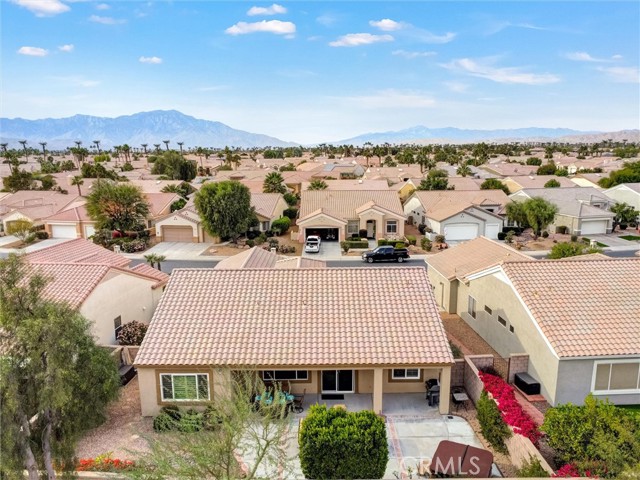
<point x="631" y="238"/>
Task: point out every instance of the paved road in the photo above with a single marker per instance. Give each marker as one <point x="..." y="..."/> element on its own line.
<point x="621" y="254"/>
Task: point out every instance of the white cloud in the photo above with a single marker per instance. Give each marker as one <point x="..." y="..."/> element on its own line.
<point x="392" y="99"/>
<point x="271" y="26"/>
<point x="274" y="9"/>
<point x="33" y="51"/>
<point x="151" y="60"/>
<point x="102" y="6"/>
<point x="66" y="48"/>
<point x="387" y="25"/>
<point x="106" y="20"/>
<point x="428" y="37"/>
<point x="357" y="39"/>
<point x="499" y="26"/>
<point x="622" y="74"/>
<point x="512" y="75"/>
<point x="327" y="19"/>
<point x="76" y="81"/>
<point x="457" y="87"/>
<point x="43" y="8"/>
<point x="412" y="55"/>
<point x="584" y="57"/>
<point x="616" y="57"/>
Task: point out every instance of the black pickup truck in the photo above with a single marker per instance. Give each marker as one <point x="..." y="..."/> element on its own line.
<point x="386" y="254"/>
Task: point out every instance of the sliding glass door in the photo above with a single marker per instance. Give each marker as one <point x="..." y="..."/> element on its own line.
<point x="338" y="381"/>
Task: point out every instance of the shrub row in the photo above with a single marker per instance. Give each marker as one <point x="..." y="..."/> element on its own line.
<point x="358" y="244"/>
<point x="492" y="426"/>
<point x="395" y="243"/>
<point x="172" y="418"/>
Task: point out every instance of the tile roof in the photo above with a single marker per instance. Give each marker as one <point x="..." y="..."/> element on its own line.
<point x="70" y="282"/>
<point x="150" y="272"/>
<point x="37" y="205"/>
<point x="257" y="257"/>
<point x="75" y="214"/>
<point x="78" y="250"/>
<point x="472" y="256"/>
<point x="509" y="169"/>
<point x="583" y="307"/>
<point x="442" y="204"/>
<point x="571" y="201"/>
<point x="159" y="203"/>
<point x="265" y="203"/>
<point x="300" y="262"/>
<point x="463" y="183"/>
<point x="344" y="203"/>
<point x="352" y="185"/>
<point x="303" y="317"/>
<point x="538" y="181"/>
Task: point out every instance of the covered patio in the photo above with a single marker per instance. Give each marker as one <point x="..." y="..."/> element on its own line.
<point x="397" y="404"/>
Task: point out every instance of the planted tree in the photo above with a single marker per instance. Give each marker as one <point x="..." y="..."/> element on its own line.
<point x="225" y="209"/>
<point x="494" y="184"/>
<point x="274" y="183"/>
<point x="119" y="207"/>
<point x="56" y="382"/>
<point x="436" y="180"/>
<point x="174" y="166"/>
<point x="630" y="173"/>
<point x="23" y="229"/>
<point x="571" y="249"/>
<point x="516" y="213"/>
<point x="624" y="214"/>
<point x="317" y="185"/>
<point x="553" y="183"/>
<point x="540" y="213"/>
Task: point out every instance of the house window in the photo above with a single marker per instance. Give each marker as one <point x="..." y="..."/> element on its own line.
<point x="511" y="329"/>
<point x="502" y="321"/>
<point x="264" y="226"/>
<point x="117" y="325"/>
<point x="185" y="387"/>
<point x="616" y="377"/>
<point x="471" y="307"/>
<point x="277" y="375"/>
<point x="406" y="374"/>
<point x="353" y="227"/>
<point x="488" y="310"/>
<point x="392" y="226"/>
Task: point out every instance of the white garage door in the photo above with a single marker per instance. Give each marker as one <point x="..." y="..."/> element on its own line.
<point x="63" y="231"/>
<point x="594" y="227"/>
<point x="177" y="234"/>
<point x="492" y="230"/>
<point x="460" y="232"/>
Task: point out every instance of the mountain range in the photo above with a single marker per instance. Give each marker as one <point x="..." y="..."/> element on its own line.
<point x="155" y="126"/>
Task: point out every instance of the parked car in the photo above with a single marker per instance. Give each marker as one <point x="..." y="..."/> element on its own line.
<point x="312" y="245"/>
<point x="386" y="254"/>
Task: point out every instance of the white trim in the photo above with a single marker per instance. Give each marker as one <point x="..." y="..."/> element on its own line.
<point x="185" y="399"/>
<point x="406" y="377"/>
<point x="306" y="377"/>
<point x="613" y="392"/>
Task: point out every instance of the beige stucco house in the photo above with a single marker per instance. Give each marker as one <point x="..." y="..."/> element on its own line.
<point x="339" y="214"/>
<point x="99" y="283"/>
<point x="628" y="193"/>
<point x="258" y="257"/>
<point x="518" y="182"/>
<point x="34" y="206"/>
<point x="212" y="322"/>
<point x="184" y="225"/>
<point x="71" y="223"/>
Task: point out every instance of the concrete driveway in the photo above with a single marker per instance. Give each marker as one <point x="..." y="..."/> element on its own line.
<point x="175" y="250"/>
<point x="328" y="251"/>
<point x="614" y="240"/>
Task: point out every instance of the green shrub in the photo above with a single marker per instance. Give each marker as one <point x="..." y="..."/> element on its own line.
<point x="411" y="239"/>
<point x="212" y="418"/>
<point x="534" y="161"/>
<point x="127" y="167"/>
<point x="250" y="243"/>
<point x="191" y="421"/>
<point x="382" y="242"/>
<point x="358" y="244"/>
<point x="492" y="426"/>
<point x="509" y="236"/>
<point x="132" y="333"/>
<point x="400" y="245"/>
<point x="335" y="443"/>
<point x="291" y="212"/>
<point x="440" y="239"/>
<point x="545" y="234"/>
<point x="42" y="235"/>
<point x="273" y="242"/>
<point x="164" y="423"/>
<point x="574" y="238"/>
<point x="345" y="246"/>
<point x="281" y="225"/>
<point x="173" y="411"/>
<point x="532" y="468"/>
<point x="291" y="199"/>
<point x="426" y="244"/>
<point x="455" y="349"/>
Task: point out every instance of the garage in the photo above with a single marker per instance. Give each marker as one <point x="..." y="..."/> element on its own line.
<point x="177" y="234"/>
<point x="89" y="230"/>
<point x="492" y="230"/>
<point x="326" y="234"/>
<point x="63" y="231"/>
<point x="460" y="232"/>
<point x="590" y="227"/>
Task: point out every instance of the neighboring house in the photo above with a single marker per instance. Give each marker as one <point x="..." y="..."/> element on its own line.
<point x="401" y="173"/>
<point x="448" y="269"/>
<point x="34" y="206"/>
<point x="71" y="223"/>
<point x="465" y="183"/>
<point x="406" y="187"/>
<point x="159" y="205"/>
<point x="185" y="226"/>
<point x="338" y="214"/>
<point x="583" y="210"/>
<point x="628" y="193"/>
<point x="339" y="171"/>
<point x="517" y="183"/>
<point x="589" y="179"/>
<point x="505" y="169"/>
<point x="258" y="257"/>
<point x="382" y="340"/>
<point x="352" y="185"/>
<point x="577" y="319"/>
<point x="99" y="284"/>
<point x="458" y="215"/>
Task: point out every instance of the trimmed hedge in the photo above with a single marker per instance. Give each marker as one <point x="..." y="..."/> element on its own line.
<point x="282" y="224"/>
<point x="358" y="244"/>
<point x="291" y="212"/>
<point x="411" y="239"/>
<point x="492" y="426"/>
<point x="335" y="443"/>
<point x="382" y="242"/>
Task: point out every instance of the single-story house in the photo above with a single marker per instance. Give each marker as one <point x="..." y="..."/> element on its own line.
<point x="401" y="173"/>
<point x="258" y="257"/>
<point x="184" y="225"/>
<point x="353" y="184"/>
<point x="71" y="223"/>
<point x="339" y="214"/>
<point x="578" y="320"/>
<point x="34" y="206"/>
<point x="516" y="183"/>
<point x="589" y="179"/>
<point x="339" y="171"/>
<point x="447" y="269"/>
<point x="628" y="193"/>
<point x="212" y="322"/>
<point x="459" y="216"/>
<point x="505" y="169"/>
<point x="98" y="283"/>
<point x="583" y="210"/>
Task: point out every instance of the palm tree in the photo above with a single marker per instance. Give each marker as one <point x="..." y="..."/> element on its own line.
<point x="97" y="144"/>
<point x="78" y="181"/>
<point x="166" y="143"/>
<point x="317" y="185"/>
<point x="464" y="170"/>
<point x="274" y="183"/>
<point x="44" y="151"/>
<point x="154" y="259"/>
<point x="157" y="145"/>
<point x="144" y="145"/>
<point x="180" y="144"/>
<point x="24" y="145"/>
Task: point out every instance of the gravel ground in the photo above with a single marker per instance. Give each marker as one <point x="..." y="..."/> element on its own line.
<point x="123" y="431"/>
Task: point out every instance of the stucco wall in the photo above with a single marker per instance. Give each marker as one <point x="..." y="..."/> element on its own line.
<point x="490" y="290"/>
<point x="175" y="221"/>
<point x="574" y="384"/>
<point x="441" y="289"/>
<point x="623" y="194"/>
<point x="479" y="217"/>
<point x="119" y="294"/>
<point x="148" y="398"/>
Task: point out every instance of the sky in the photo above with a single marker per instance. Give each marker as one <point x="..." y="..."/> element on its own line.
<point x="321" y="71"/>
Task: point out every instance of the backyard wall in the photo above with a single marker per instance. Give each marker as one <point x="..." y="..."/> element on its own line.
<point x="457" y="373"/>
<point x="472" y="383"/>
<point x="521" y="450"/>
<point x="518" y="363"/>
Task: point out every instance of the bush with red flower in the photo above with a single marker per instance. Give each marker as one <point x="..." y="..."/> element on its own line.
<point x="104" y="463"/>
<point x="571" y="470"/>
<point x="512" y="412"/>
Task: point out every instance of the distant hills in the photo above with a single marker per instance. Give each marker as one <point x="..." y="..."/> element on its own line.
<point x="154" y="127"/>
<point x="134" y="130"/>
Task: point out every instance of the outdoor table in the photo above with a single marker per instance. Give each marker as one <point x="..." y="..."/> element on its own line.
<point x="460" y="398"/>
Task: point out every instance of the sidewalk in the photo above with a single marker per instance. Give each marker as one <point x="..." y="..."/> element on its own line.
<point x="544" y="253"/>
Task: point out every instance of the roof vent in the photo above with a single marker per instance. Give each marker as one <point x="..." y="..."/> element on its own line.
<point x="359" y="181"/>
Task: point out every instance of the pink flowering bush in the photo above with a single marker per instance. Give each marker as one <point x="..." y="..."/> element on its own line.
<point x="571" y="470"/>
<point x="512" y="412"/>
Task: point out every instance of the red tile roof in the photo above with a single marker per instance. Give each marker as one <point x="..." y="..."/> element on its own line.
<point x="78" y="250"/>
<point x="297" y="317"/>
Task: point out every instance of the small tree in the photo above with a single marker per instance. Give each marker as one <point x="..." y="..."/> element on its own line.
<point x="539" y="213"/>
<point x="23" y="229"/>
<point x="119" y="207"/>
<point x="436" y="180"/>
<point x="318" y="185"/>
<point x="624" y="214"/>
<point x="274" y="183"/>
<point x="492" y="426"/>
<point x="281" y="225"/>
<point x="494" y="184"/>
<point x="571" y="249"/>
<point x="553" y="183"/>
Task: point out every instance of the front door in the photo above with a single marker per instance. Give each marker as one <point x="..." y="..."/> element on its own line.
<point x="371" y="229"/>
<point x="340" y="381"/>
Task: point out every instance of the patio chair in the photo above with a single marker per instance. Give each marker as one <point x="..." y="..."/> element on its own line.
<point x="298" y="402"/>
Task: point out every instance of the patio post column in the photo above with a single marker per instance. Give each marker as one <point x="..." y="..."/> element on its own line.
<point x="377" y="389"/>
<point x="445" y="389"/>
